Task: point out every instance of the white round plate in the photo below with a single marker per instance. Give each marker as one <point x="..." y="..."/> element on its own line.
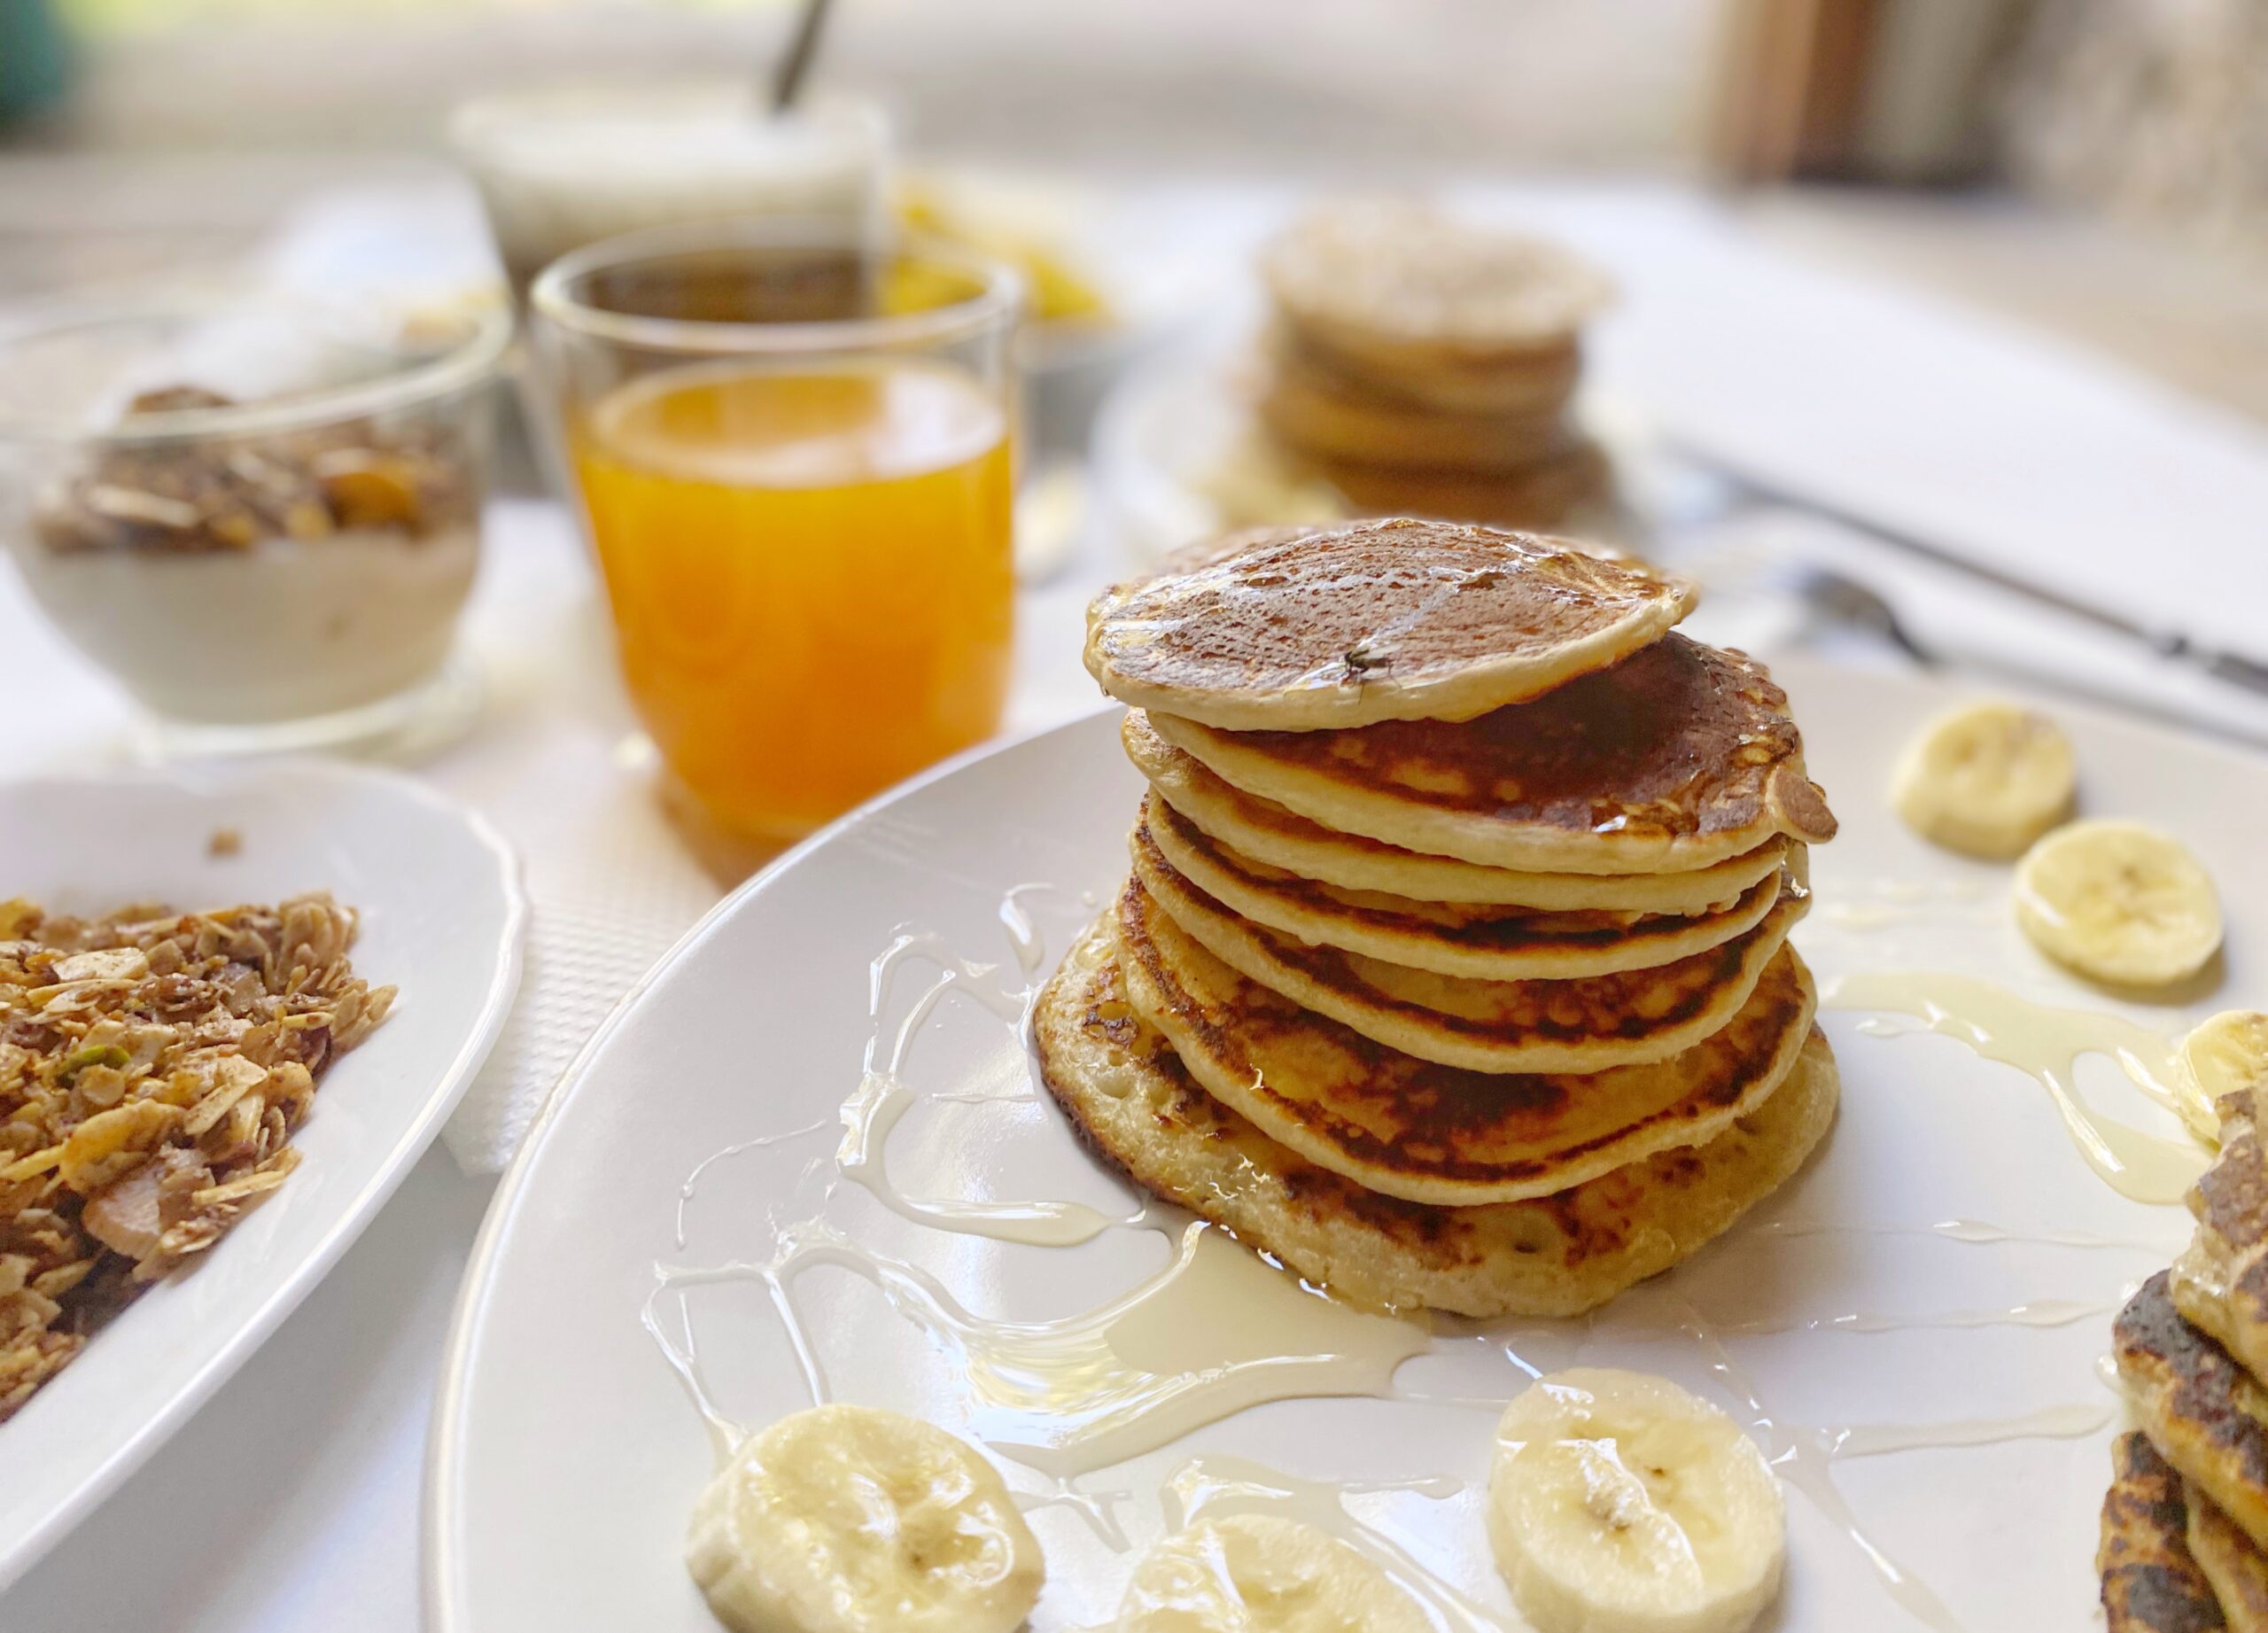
<point x="442" y="917"/>
<point x="1911" y="1328"/>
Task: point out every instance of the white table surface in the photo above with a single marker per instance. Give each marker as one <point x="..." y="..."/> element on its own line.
<point x="290" y="1502"/>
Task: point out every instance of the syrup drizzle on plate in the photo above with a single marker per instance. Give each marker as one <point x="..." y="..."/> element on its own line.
<point x="1218" y="1329"/>
<point x="2045" y="1043"/>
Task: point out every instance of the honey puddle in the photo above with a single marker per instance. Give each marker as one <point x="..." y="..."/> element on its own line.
<point x="2045" y="1044"/>
<point x="1218" y="1329"/>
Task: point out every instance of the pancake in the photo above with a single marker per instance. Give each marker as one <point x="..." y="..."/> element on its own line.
<point x="2206" y="1415"/>
<point x="1543" y="497"/>
<point x="1363" y="622"/>
<point x="1266" y="832"/>
<point x="1523" y="382"/>
<point x="1395" y="286"/>
<point x="1131" y="1099"/>
<point x="2232" y="1563"/>
<point x="2150" y="1582"/>
<point x="1583" y="1024"/>
<point x="1676" y="758"/>
<point x="1317" y="415"/>
<point x="2220" y="1282"/>
<point x="1480" y="941"/>
<point x="1425" y="1132"/>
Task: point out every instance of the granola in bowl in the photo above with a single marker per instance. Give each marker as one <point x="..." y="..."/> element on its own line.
<point x="154" y="1066"/>
<point x="255" y="515"/>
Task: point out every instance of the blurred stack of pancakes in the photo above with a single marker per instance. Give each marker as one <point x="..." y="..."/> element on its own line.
<point x="1452" y="970"/>
<point x="2185" y="1527"/>
<point x="1422" y="366"/>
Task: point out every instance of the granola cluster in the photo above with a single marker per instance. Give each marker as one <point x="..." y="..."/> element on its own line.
<point x="230" y="494"/>
<point x="153" y="1067"/>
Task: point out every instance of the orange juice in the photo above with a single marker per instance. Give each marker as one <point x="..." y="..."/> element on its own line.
<point x="811" y="575"/>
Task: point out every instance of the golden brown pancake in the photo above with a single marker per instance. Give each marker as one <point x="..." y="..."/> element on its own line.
<point x="1586" y="1024"/>
<point x="1678" y="757"/>
<point x="1127" y="1095"/>
<point x="1543" y="497"/>
<point x="1266" y="832"/>
<point x="1368" y="621"/>
<point x="1523" y="382"/>
<point x="2150" y="1584"/>
<point x="2206" y="1415"/>
<point x="2220" y="1282"/>
<point x="1318" y="416"/>
<point x="1393" y="284"/>
<point x="2232" y="1563"/>
<point x="1477" y="940"/>
<point x="1413" y="1129"/>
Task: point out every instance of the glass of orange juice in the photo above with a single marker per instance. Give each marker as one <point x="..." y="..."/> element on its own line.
<point x="792" y="448"/>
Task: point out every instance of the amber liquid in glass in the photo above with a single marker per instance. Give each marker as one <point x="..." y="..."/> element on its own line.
<point x="811" y="575"/>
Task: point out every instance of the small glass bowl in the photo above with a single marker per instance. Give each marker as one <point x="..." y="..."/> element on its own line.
<point x="261" y="517"/>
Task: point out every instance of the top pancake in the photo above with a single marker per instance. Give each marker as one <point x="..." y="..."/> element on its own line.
<point x="1368" y="622"/>
<point x="1391" y="277"/>
<point x="1677" y="758"/>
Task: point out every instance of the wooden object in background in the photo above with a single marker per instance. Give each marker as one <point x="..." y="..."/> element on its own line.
<point x="1880" y="89"/>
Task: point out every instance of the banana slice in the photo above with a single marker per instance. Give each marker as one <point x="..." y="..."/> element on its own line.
<point x="851" y="1520"/>
<point x="2227" y="1054"/>
<point x="1985" y="778"/>
<point x="2119" y="902"/>
<point x="1258" y="1574"/>
<point x="1620" y="1504"/>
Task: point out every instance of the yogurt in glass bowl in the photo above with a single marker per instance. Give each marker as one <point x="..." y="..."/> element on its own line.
<point x="260" y="517"/>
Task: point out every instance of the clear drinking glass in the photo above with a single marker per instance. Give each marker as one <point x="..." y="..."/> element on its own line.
<point x="792" y="448"/>
<point x="261" y="516"/>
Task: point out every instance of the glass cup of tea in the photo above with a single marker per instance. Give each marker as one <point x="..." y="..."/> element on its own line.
<point x="792" y="447"/>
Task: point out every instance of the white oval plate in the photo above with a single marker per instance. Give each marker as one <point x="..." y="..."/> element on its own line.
<point x="442" y="918"/>
<point x="566" y="1455"/>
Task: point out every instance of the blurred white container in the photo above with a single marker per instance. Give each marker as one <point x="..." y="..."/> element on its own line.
<point x="567" y="166"/>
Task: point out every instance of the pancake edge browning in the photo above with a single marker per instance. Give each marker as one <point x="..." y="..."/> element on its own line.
<point x="1771" y="795"/>
<point x="1132" y="1103"/>
<point x="1655" y="1108"/>
<point x="1270" y="833"/>
<point x="2206" y="1415"/>
<point x="1324" y="980"/>
<point x="1397" y="930"/>
<point x="2150" y="1582"/>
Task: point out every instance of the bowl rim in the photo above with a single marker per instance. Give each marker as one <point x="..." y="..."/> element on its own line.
<point x="424" y="377"/>
<point x="998" y="301"/>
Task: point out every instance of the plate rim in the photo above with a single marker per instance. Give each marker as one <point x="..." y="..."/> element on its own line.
<point x="204" y="780"/>
<point x="437" y="1548"/>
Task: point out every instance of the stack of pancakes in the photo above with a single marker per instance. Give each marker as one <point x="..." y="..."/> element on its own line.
<point x="1422" y="366"/>
<point x="2185" y="1528"/>
<point x="1452" y="968"/>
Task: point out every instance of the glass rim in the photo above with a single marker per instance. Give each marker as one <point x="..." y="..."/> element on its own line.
<point x="463" y="364"/>
<point x="998" y="298"/>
